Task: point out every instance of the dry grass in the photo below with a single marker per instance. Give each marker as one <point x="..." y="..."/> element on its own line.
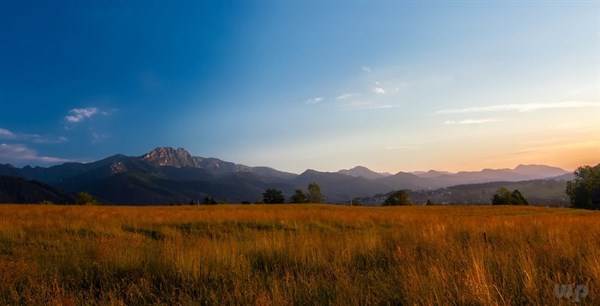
<point x="303" y="254"/>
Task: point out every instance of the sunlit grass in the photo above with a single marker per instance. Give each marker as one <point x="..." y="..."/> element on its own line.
<point x="295" y="254"/>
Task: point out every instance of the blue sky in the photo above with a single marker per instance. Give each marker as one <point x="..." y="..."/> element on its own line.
<point x="392" y="85"/>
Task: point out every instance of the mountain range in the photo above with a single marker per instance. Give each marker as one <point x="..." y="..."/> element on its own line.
<point x="548" y="192"/>
<point x="169" y="175"/>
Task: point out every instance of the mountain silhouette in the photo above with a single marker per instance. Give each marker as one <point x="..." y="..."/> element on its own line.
<point x="19" y="190"/>
<point x="364" y="172"/>
<point x="173" y="175"/>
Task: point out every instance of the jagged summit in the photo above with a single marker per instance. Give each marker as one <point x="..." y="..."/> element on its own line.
<point x="181" y="158"/>
<point x="168" y="156"/>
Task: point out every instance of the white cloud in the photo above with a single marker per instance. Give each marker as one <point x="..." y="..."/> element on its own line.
<point x="526" y="107"/>
<point x="366" y="69"/>
<point x="345" y="96"/>
<point x="19" y="154"/>
<point x="366" y="105"/>
<point x="379" y="90"/>
<point x="6" y="134"/>
<point x="77" y="115"/>
<point x="315" y="100"/>
<point x="34" y="138"/>
<point x="471" y="121"/>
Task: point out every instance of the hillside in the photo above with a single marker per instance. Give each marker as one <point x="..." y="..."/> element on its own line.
<point x="549" y="192"/>
<point x="19" y="190"/>
<point x="538" y="192"/>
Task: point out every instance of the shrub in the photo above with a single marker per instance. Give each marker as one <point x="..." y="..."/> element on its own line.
<point x="504" y="197"/>
<point x="84" y="198"/>
<point x="356" y="202"/>
<point x="208" y="200"/>
<point x="399" y="197"/>
<point x="273" y="196"/>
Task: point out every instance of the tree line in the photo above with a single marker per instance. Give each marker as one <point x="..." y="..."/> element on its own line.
<point x="311" y="195"/>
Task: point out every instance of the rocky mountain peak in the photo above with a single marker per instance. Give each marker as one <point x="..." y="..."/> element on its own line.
<point x="167" y="156"/>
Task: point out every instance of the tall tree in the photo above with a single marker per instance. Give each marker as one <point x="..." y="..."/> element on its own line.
<point x="273" y="196"/>
<point x="502" y="197"/>
<point x="517" y="198"/>
<point x="298" y="197"/>
<point x="84" y="198"/>
<point x="584" y="190"/>
<point x="314" y="193"/>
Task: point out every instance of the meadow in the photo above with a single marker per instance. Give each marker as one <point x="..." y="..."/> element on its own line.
<point x="296" y="255"/>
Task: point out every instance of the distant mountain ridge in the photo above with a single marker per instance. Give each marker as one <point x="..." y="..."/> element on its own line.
<point x="173" y="175"/>
<point x="361" y="171"/>
<point x="519" y="173"/>
<point x="549" y="192"/>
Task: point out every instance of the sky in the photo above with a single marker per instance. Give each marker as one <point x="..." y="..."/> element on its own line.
<point x="295" y="85"/>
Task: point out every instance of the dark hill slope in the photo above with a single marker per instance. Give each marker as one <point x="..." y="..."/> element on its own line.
<point x="19" y="190"/>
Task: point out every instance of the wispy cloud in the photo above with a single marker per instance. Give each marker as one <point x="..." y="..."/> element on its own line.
<point x="315" y="100"/>
<point x="379" y="90"/>
<point x="77" y="115"/>
<point x="366" y="105"/>
<point x="471" y="121"/>
<point x="346" y="96"/>
<point x="527" y="107"/>
<point x="366" y="69"/>
<point x="20" y="154"/>
<point x="7" y="134"/>
<point x="33" y="138"/>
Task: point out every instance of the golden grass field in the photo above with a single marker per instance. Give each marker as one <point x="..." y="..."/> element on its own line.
<point x="295" y="255"/>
